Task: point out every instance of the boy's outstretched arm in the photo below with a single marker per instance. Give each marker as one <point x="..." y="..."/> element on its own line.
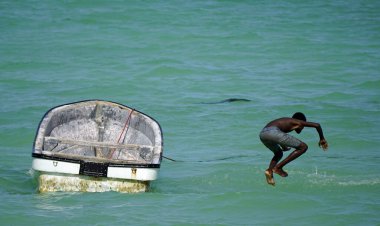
<point x="322" y="141"/>
<point x="323" y="144"/>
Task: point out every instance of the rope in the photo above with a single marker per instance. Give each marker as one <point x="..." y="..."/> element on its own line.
<point x="121" y="134"/>
<point x="126" y="124"/>
<point x="169" y="159"/>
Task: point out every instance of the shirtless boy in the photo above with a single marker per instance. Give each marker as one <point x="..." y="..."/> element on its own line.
<point x="274" y="136"/>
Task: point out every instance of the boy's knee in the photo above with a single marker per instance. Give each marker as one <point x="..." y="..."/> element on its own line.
<point x="303" y="147"/>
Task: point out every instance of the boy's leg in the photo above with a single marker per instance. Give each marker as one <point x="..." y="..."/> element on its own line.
<point x="302" y="148"/>
<point x="277" y="157"/>
<point x="280" y="172"/>
<point x="269" y="172"/>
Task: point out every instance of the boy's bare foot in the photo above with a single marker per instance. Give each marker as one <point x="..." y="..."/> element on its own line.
<point x="280" y="172"/>
<point x="269" y="176"/>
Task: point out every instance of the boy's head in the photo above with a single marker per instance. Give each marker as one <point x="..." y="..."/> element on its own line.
<point x="299" y="116"/>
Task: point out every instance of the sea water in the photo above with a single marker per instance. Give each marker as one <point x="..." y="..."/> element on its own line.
<point x="168" y="58"/>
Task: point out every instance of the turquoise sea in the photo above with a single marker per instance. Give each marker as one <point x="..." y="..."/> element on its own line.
<point x="168" y="58"/>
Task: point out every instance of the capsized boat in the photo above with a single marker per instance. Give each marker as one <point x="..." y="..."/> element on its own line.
<point x="96" y="146"/>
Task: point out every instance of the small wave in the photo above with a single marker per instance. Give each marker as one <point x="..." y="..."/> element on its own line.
<point x="31" y="172"/>
<point x="326" y="179"/>
<point x="323" y="178"/>
<point x="360" y="182"/>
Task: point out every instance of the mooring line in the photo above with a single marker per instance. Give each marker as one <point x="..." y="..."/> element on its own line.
<point x="169" y="159"/>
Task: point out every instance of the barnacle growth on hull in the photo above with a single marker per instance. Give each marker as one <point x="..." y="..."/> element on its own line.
<point x="80" y="183"/>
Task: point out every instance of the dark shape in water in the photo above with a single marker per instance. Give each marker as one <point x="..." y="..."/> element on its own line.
<point x="229" y="100"/>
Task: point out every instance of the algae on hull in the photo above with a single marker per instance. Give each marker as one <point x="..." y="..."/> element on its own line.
<point x="80" y="183"/>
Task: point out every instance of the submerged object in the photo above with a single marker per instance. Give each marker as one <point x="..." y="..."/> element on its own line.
<point x="229" y="100"/>
<point x="95" y="146"/>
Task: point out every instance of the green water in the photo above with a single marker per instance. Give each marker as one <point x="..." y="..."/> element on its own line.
<point x="164" y="58"/>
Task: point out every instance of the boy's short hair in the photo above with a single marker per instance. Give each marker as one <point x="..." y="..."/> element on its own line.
<point x="299" y="116"/>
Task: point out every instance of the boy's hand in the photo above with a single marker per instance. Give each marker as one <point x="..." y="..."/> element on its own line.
<point x="323" y="144"/>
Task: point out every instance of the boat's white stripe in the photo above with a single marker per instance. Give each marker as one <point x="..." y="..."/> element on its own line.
<point x="144" y="174"/>
<point x="54" y="166"/>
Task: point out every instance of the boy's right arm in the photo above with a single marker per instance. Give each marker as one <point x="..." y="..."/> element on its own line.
<point x="322" y="142"/>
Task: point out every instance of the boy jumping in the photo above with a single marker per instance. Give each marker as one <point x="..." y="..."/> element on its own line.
<point x="274" y="136"/>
